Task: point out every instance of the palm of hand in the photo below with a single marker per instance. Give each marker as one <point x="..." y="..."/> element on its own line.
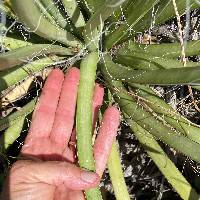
<point x="50" y="137"/>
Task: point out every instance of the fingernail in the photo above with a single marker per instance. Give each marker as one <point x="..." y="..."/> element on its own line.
<point x="89" y="177"/>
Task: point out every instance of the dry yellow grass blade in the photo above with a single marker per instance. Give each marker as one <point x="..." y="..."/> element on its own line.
<point x="22" y="88"/>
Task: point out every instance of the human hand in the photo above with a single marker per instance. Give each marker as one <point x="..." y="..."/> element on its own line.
<point x="48" y="170"/>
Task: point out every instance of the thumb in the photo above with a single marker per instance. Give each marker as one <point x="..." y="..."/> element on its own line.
<point x="55" y="173"/>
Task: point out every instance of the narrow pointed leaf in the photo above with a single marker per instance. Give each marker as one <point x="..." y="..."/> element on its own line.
<point x="174" y="76"/>
<point x="60" y="17"/>
<point x="166" y="112"/>
<point x="137" y="60"/>
<point x="170" y="50"/>
<point x="125" y="29"/>
<point x="147" y="119"/>
<point x="29" y="14"/>
<point x="14" y="117"/>
<point x="28" y="53"/>
<point x="116" y="174"/>
<point x="53" y="10"/>
<point x="12" y="76"/>
<point x="11" y="134"/>
<point x="74" y="13"/>
<point x="165" y="165"/>
<point x="117" y="14"/>
<point x="162" y="12"/>
<point x="102" y="14"/>
<point x="11" y="43"/>
<point x="44" y="11"/>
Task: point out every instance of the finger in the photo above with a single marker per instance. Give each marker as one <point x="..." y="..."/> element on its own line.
<point x="55" y="173"/>
<point x="43" y="117"/>
<point x="107" y="135"/>
<point x="97" y="101"/>
<point x="64" y="118"/>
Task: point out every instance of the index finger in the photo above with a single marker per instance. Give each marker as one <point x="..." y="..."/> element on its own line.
<point x="43" y="117"/>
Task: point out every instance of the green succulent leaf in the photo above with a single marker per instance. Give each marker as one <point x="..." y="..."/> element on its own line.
<point x="93" y="5"/>
<point x="116" y="174"/>
<point x="137" y="60"/>
<point x="52" y="9"/>
<point x="94" y="26"/>
<point x="148" y="120"/>
<point x="117" y="14"/>
<point x="84" y="118"/>
<point x="166" y="9"/>
<point x="165" y="111"/>
<point x="158" y="14"/>
<point x="12" y="76"/>
<point x="29" y="14"/>
<point x="18" y="115"/>
<point x="132" y="19"/>
<point x="44" y="11"/>
<point x="60" y="17"/>
<point x="10" y="43"/>
<point x="165" y="50"/>
<point x="28" y="53"/>
<point x="11" y="134"/>
<point x="74" y="13"/>
<point x="102" y="14"/>
<point x="160" y="158"/>
<point x="162" y="12"/>
<point x="173" y="76"/>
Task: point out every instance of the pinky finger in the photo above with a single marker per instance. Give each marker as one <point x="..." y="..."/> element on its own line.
<point x="107" y="135"/>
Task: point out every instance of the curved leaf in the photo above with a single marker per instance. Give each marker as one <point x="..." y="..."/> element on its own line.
<point x="165" y="111"/>
<point x="170" y="50"/>
<point x="173" y="76"/>
<point x="53" y="10"/>
<point x="165" y="165"/>
<point x="12" y="76"/>
<point x="147" y="120"/>
<point x="29" y="13"/>
<point x="14" y="117"/>
<point x="116" y="174"/>
<point x="162" y="12"/>
<point x="126" y="28"/>
<point x="102" y="14"/>
<point x="74" y="13"/>
<point x="28" y="53"/>
<point x="11" y="134"/>
<point x="138" y="60"/>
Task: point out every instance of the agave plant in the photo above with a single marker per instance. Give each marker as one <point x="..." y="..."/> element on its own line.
<point x="99" y="37"/>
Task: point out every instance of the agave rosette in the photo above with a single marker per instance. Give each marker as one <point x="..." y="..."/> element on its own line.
<point x="44" y="33"/>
